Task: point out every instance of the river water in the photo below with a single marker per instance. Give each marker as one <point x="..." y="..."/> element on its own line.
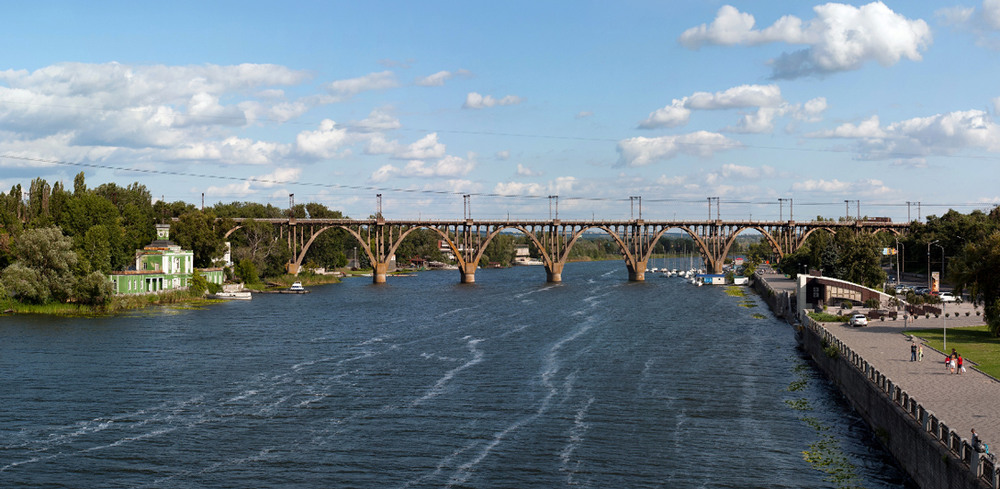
<point x="425" y="382"/>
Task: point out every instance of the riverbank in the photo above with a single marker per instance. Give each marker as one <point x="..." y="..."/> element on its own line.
<point x="922" y="414"/>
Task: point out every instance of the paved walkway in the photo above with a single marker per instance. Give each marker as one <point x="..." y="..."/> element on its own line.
<point x="962" y="402"/>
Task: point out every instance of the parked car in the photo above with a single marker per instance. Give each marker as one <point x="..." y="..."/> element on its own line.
<point x="949" y="297"/>
<point x="858" y="320"/>
<point x="902" y="289"/>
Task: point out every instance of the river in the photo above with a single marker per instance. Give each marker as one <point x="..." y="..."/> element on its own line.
<point x="425" y="382"/>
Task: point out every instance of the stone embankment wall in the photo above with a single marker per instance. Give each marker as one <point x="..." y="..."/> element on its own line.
<point x="780" y="302"/>
<point x="931" y="453"/>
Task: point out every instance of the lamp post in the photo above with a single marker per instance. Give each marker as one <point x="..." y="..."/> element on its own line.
<point x="929" y="262"/>
<point x="944" y="318"/>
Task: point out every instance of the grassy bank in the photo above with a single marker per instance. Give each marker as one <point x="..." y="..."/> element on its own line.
<point x="975" y="344"/>
<point x="119" y="303"/>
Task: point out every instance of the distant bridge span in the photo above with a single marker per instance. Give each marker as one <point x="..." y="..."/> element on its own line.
<point x="636" y="238"/>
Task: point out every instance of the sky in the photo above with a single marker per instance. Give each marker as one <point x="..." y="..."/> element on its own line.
<point x="533" y="110"/>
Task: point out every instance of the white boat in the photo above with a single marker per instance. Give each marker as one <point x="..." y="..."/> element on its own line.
<point x="243" y="295"/>
<point x="296" y="287"/>
<point x="527" y="260"/>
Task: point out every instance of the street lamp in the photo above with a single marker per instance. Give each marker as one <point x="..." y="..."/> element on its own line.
<point x="929" y="262"/>
<point x="944" y="317"/>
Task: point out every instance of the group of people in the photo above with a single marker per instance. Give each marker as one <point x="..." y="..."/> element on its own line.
<point x="954" y="362"/>
<point x="916" y="352"/>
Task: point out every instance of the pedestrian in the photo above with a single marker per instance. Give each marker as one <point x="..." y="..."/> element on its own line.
<point x="961" y="366"/>
<point x="952" y="363"/>
<point x="977" y="444"/>
<point x="913" y="352"/>
<point x="920" y="352"/>
<point x="947" y="363"/>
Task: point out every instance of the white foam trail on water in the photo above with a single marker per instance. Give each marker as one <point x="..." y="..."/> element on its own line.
<point x="438" y="388"/>
<point x="576" y="438"/>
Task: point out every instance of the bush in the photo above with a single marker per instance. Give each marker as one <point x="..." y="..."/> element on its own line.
<point x="872" y="303"/>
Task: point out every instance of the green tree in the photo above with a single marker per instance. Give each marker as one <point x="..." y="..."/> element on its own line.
<point x="49" y="259"/>
<point x="977" y="270"/>
<point x="246" y="271"/>
<point x="196" y="231"/>
<point x="93" y="289"/>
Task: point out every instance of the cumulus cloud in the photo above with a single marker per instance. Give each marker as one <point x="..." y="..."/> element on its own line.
<point x="840" y="38"/>
<point x="941" y="134"/>
<point x="766" y="98"/>
<point x="642" y="151"/>
<point x="438" y="79"/>
<point x="325" y="142"/>
<point x="149" y="112"/>
<point x="448" y="166"/>
<point x="476" y="101"/>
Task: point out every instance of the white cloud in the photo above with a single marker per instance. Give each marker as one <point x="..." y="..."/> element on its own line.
<point x="503" y="155"/>
<point x="583" y="114"/>
<point x="425" y="148"/>
<point x="448" y="166"/>
<point x="438" y="79"/>
<point x="378" y="120"/>
<point x="671" y="181"/>
<point x="642" y="151"/>
<point x="982" y="22"/>
<point x="857" y="187"/>
<point x="280" y="176"/>
<point x="840" y="38"/>
<point x="673" y="115"/>
<point x="730" y="172"/>
<point x="868" y="128"/>
<point x="941" y="134"/>
<point x="325" y="142"/>
<point x="767" y="98"/>
<point x="526" y="172"/>
<point x="561" y="185"/>
<point x="343" y="89"/>
<point x="476" y="101"/>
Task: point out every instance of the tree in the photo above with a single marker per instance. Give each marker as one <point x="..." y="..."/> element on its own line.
<point x="195" y="231"/>
<point x="45" y="260"/>
<point x="977" y="269"/>
<point x="93" y="289"/>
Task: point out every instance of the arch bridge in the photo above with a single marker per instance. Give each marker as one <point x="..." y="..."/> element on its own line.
<point x="468" y="238"/>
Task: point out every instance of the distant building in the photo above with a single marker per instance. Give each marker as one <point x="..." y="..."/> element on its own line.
<point x="161" y="265"/>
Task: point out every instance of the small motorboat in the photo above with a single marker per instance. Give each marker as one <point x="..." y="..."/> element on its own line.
<point x="297" y="287"/>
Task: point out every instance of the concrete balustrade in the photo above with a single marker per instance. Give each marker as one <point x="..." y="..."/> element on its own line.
<point x="983" y="468"/>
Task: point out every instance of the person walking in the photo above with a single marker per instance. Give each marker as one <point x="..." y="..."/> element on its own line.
<point x="952" y="363"/>
<point x="913" y="352"/>
<point x="920" y="352"/>
<point x="961" y="365"/>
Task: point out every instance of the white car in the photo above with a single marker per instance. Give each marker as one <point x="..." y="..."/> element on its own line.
<point x="858" y="320"/>
<point x="948" y="297"/>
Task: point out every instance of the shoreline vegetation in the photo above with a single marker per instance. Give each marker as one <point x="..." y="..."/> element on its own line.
<point x="126" y="303"/>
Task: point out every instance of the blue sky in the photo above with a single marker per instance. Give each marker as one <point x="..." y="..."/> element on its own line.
<point x="596" y="102"/>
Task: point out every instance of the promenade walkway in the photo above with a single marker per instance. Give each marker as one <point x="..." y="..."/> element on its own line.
<point x="963" y="402"/>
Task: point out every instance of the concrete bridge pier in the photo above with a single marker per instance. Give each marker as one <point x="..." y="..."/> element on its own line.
<point x="292" y="268"/>
<point x="553" y="273"/>
<point x="379" y="272"/>
<point x="468" y="271"/>
<point x="637" y="271"/>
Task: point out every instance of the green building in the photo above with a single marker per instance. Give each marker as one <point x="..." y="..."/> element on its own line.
<point x="161" y="265"/>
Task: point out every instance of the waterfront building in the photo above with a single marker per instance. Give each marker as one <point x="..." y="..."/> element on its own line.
<point x="161" y="265"/>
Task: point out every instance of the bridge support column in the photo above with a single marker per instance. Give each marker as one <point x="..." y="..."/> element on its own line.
<point x="553" y="273"/>
<point x="637" y="271"/>
<point x="379" y="271"/>
<point x="468" y="271"/>
<point x="292" y="268"/>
